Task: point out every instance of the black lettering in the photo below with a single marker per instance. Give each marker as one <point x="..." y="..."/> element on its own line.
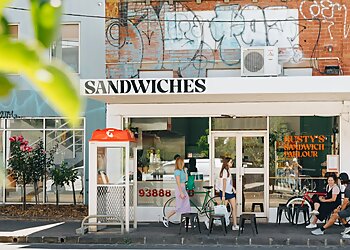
<point x="173" y="85"/>
<point x="101" y="86"/>
<point x="142" y="86"/>
<point x="154" y="89"/>
<point x="200" y="85"/>
<point x="89" y="87"/>
<point x="112" y="86"/>
<point x="159" y="86"/>
<point x="188" y="86"/>
<point x="125" y="86"/>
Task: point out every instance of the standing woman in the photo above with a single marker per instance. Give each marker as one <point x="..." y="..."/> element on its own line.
<point x="181" y="196"/>
<point x="227" y="191"/>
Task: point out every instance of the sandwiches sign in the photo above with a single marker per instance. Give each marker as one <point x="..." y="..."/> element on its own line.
<point x="142" y="86"/>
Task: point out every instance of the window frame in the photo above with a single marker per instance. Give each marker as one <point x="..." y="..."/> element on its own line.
<point x="79" y="44"/>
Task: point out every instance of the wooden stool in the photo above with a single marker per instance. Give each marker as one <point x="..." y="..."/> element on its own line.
<point x="220" y="217"/>
<point x="189" y="217"/>
<point x="283" y="208"/>
<point x="260" y="204"/>
<point x="243" y="218"/>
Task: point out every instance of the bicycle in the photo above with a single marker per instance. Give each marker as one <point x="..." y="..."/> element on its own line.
<point x="305" y="200"/>
<point x="205" y="209"/>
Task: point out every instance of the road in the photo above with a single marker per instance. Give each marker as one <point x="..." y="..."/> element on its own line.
<point x="4" y="246"/>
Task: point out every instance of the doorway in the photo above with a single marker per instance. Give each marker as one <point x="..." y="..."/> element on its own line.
<point x="249" y="150"/>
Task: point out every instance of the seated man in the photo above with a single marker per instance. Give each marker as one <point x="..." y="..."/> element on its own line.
<point x="342" y="212"/>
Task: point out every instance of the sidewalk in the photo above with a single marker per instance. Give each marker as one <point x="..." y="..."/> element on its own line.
<point x="157" y="234"/>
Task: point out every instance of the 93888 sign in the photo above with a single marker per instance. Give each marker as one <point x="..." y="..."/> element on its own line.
<point x="154" y="192"/>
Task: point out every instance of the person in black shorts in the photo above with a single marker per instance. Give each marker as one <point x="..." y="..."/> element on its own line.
<point x="341" y="212"/>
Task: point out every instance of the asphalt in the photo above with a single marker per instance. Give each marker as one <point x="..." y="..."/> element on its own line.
<point x="28" y="231"/>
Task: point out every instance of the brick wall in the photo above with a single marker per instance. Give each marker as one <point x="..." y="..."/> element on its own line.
<point x="191" y="37"/>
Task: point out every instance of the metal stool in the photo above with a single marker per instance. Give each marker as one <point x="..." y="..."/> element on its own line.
<point x="220" y="217"/>
<point x="189" y="217"/>
<point x="283" y="208"/>
<point x="243" y="218"/>
<point x="260" y="204"/>
<point x="305" y="210"/>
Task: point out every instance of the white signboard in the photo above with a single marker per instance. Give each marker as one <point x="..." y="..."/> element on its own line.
<point x="332" y="163"/>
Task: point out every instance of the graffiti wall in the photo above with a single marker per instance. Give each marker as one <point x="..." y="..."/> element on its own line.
<point x="327" y="11"/>
<point x="191" y="40"/>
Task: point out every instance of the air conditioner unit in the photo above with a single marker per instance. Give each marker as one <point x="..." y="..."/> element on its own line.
<point x="260" y="61"/>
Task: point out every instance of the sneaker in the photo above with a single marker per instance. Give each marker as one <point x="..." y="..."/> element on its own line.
<point x="190" y="226"/>
<point x="346" y="236"/>
<point x="206" y="224"/>
<point x="346" y="230"/>
<point x="318" y="231"/>
<point x="165" y="222"/>
<point x="315" y="212"/>
<point x="235" y="227"/>
<point x="311" y="226"/>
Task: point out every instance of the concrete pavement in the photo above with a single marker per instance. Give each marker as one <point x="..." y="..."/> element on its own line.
<point x="25" y="231"/>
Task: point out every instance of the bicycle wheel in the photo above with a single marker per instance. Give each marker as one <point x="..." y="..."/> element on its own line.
<point x="292" y="202"/>
<point x="209" y="207"/>
<point x="170" y="206"/>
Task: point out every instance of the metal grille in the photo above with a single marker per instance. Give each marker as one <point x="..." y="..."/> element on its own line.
<point x="253" y="61"/>
<point x="111" y="201"/>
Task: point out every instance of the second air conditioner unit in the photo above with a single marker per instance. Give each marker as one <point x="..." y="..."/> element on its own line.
<point x="260" y="61"/>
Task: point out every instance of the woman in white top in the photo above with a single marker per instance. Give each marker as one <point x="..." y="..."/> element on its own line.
<point x="227" y="191"/>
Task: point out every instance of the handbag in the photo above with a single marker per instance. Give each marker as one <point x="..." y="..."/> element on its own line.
<point x="222" y="210"/>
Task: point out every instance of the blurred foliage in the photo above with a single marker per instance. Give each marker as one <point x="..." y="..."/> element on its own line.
<point x="53" y="79"/>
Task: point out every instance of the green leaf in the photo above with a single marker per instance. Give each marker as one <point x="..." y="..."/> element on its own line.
<point x="46" y="16"/>
<point x="57" y="84"/>
<point x="54" y="81"/>
<point x="17" y="57"/>
<point x="5" y="86"/>
<point x="4" y="27"/>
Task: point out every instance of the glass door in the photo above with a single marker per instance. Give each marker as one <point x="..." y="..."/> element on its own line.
<point x="249" y="150"/>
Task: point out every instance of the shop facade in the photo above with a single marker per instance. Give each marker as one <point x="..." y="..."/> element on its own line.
<point x="264" y="124"/>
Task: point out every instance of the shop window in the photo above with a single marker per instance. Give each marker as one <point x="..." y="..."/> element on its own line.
<point x="14" y="190"/>
<point x="70" y="149"/>
<point x="61" y="124"/>
<point x="159" y="140"/>
<point x="67" y="46"/>
<point x="299" y="147"/>
<point x="25" y="123"/>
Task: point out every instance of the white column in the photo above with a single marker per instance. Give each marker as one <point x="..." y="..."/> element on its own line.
<point x="240" y="174"/>
<point x="113" y="121"/>
<point x="114" y="155"/>
<point x="345" y="141"/>
<point x="127" y="190"/>
<point x="135" y="186"/>
<point x="92" y="183"/>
